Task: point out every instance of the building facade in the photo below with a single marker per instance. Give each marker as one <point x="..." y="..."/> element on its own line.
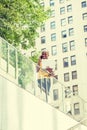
<point x="64" y="35"/>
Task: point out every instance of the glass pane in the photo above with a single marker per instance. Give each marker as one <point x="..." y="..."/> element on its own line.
<point x="26" y="71"/>
<point x="4" y="49"/>
<point x="3" y="54"/>
<point x="12" y="56"/>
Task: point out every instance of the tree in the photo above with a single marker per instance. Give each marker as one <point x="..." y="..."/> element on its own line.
<point x="26" y="70"/>
<point x="19" y="20"/>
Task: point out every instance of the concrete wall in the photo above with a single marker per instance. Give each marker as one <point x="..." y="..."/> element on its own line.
<point x="20" y="110"/>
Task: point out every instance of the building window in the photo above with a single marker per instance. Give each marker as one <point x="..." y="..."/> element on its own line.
<point x="85" y="41"/>
<point x="62" y="10"/>
<point x="66" y="77"/>
<point x="55" y="94"/>
<point x="51" y="2"/>
<point x="70" y="20"/>
<point x="74" y="74"/>
<point x="42" y="4"/>
<point x="83" y="4"/>
<point x="75" y="89"/>
<point x="72" y="45"/>
<point x="84" y="16"/>
<point x="65" y="62"/>
<point x="85" y="28"/>
<point x="64" y="47"/>
<point x="71" y="32"/>
<point x="63" y="22"/>
<point x="42" y="28"/>
<point x="55" y="64"/>
<point x="32" y="53"/>
<point x="67" y="92"/>
<point x="76" y="109"/>
<point x="54" y="50"/>
<point x="55" y="79"/>
<point x="64" y="34"/>
<point x="53" y="37"/>
<point x="68" y="108"/>
<point x="73" y="60"/>
<point x="43" y="49"/>
<point x="52" y="13"/>
<point x="52" y="25"/>
<point x="69" y="8"/>
<point x="61" y="1"/>
<point x="43" y="39"/>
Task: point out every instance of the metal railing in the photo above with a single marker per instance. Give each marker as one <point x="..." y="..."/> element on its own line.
<point x="80" y="125"/>
<point x="48" y="89"/>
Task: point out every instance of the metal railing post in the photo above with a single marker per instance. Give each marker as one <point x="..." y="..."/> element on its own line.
<point x="46" y="91"/>
<point x="16" y="64"/>
<point x="7" y="58"/>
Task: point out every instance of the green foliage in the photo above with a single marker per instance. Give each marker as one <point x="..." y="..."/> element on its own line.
<point x="12" y="56"/>
<point x="8" y="51"/>
<point x="4" y="51"/>
<point x="35" y="57"/>
<point x="25" y="65"/>
<point x="19" y="20"/>
<point x="26" y="71"/>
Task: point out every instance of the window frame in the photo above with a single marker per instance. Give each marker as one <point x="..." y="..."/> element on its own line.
<point x="64" y="47"/>
<point x="61" y="1"/>
<point x="62" y="10"/>
<point x="42" y="28"/>
<point x="52" y="13"/>
<point x="73" y="61"/>
<point x="75" y="90"/>
<point x="63" y="22"/>
<point x="43" y="39"/>
<point x="70" y="19"/>
<point x="71" y="31"/>
<point x="53" y="25"/>
<point x="32" y="53"/>
<point x="56" y="62"/>
<point x="54" y="50"/>
<point x="52" y="3"/>
<point x="53" y="37"/>
<point x="86" y="42"/>
<point x="65" y="62"/>
<point x="43" y="49"/>
<point x="83" y="4"/>
<point x="74" y="75"/>
<point x="64" y="34"/>
<point x="42" y="4"/>
<point x="55" y="94"/>
<point x="76" y="108"/>
<point x="66" y="77"/>
<point x="69" y="8"/>
<point x="72" y="45"/>
<point x="84" y="16"/>
<point x="85" y="28"/>
<point x="67" y="92"/>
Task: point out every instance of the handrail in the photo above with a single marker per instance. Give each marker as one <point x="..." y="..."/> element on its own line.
<point x="78" y="124"/>
<point x="23" y="70"/>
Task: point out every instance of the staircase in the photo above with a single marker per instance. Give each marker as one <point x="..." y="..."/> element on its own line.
<point x="21" y="71"/>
